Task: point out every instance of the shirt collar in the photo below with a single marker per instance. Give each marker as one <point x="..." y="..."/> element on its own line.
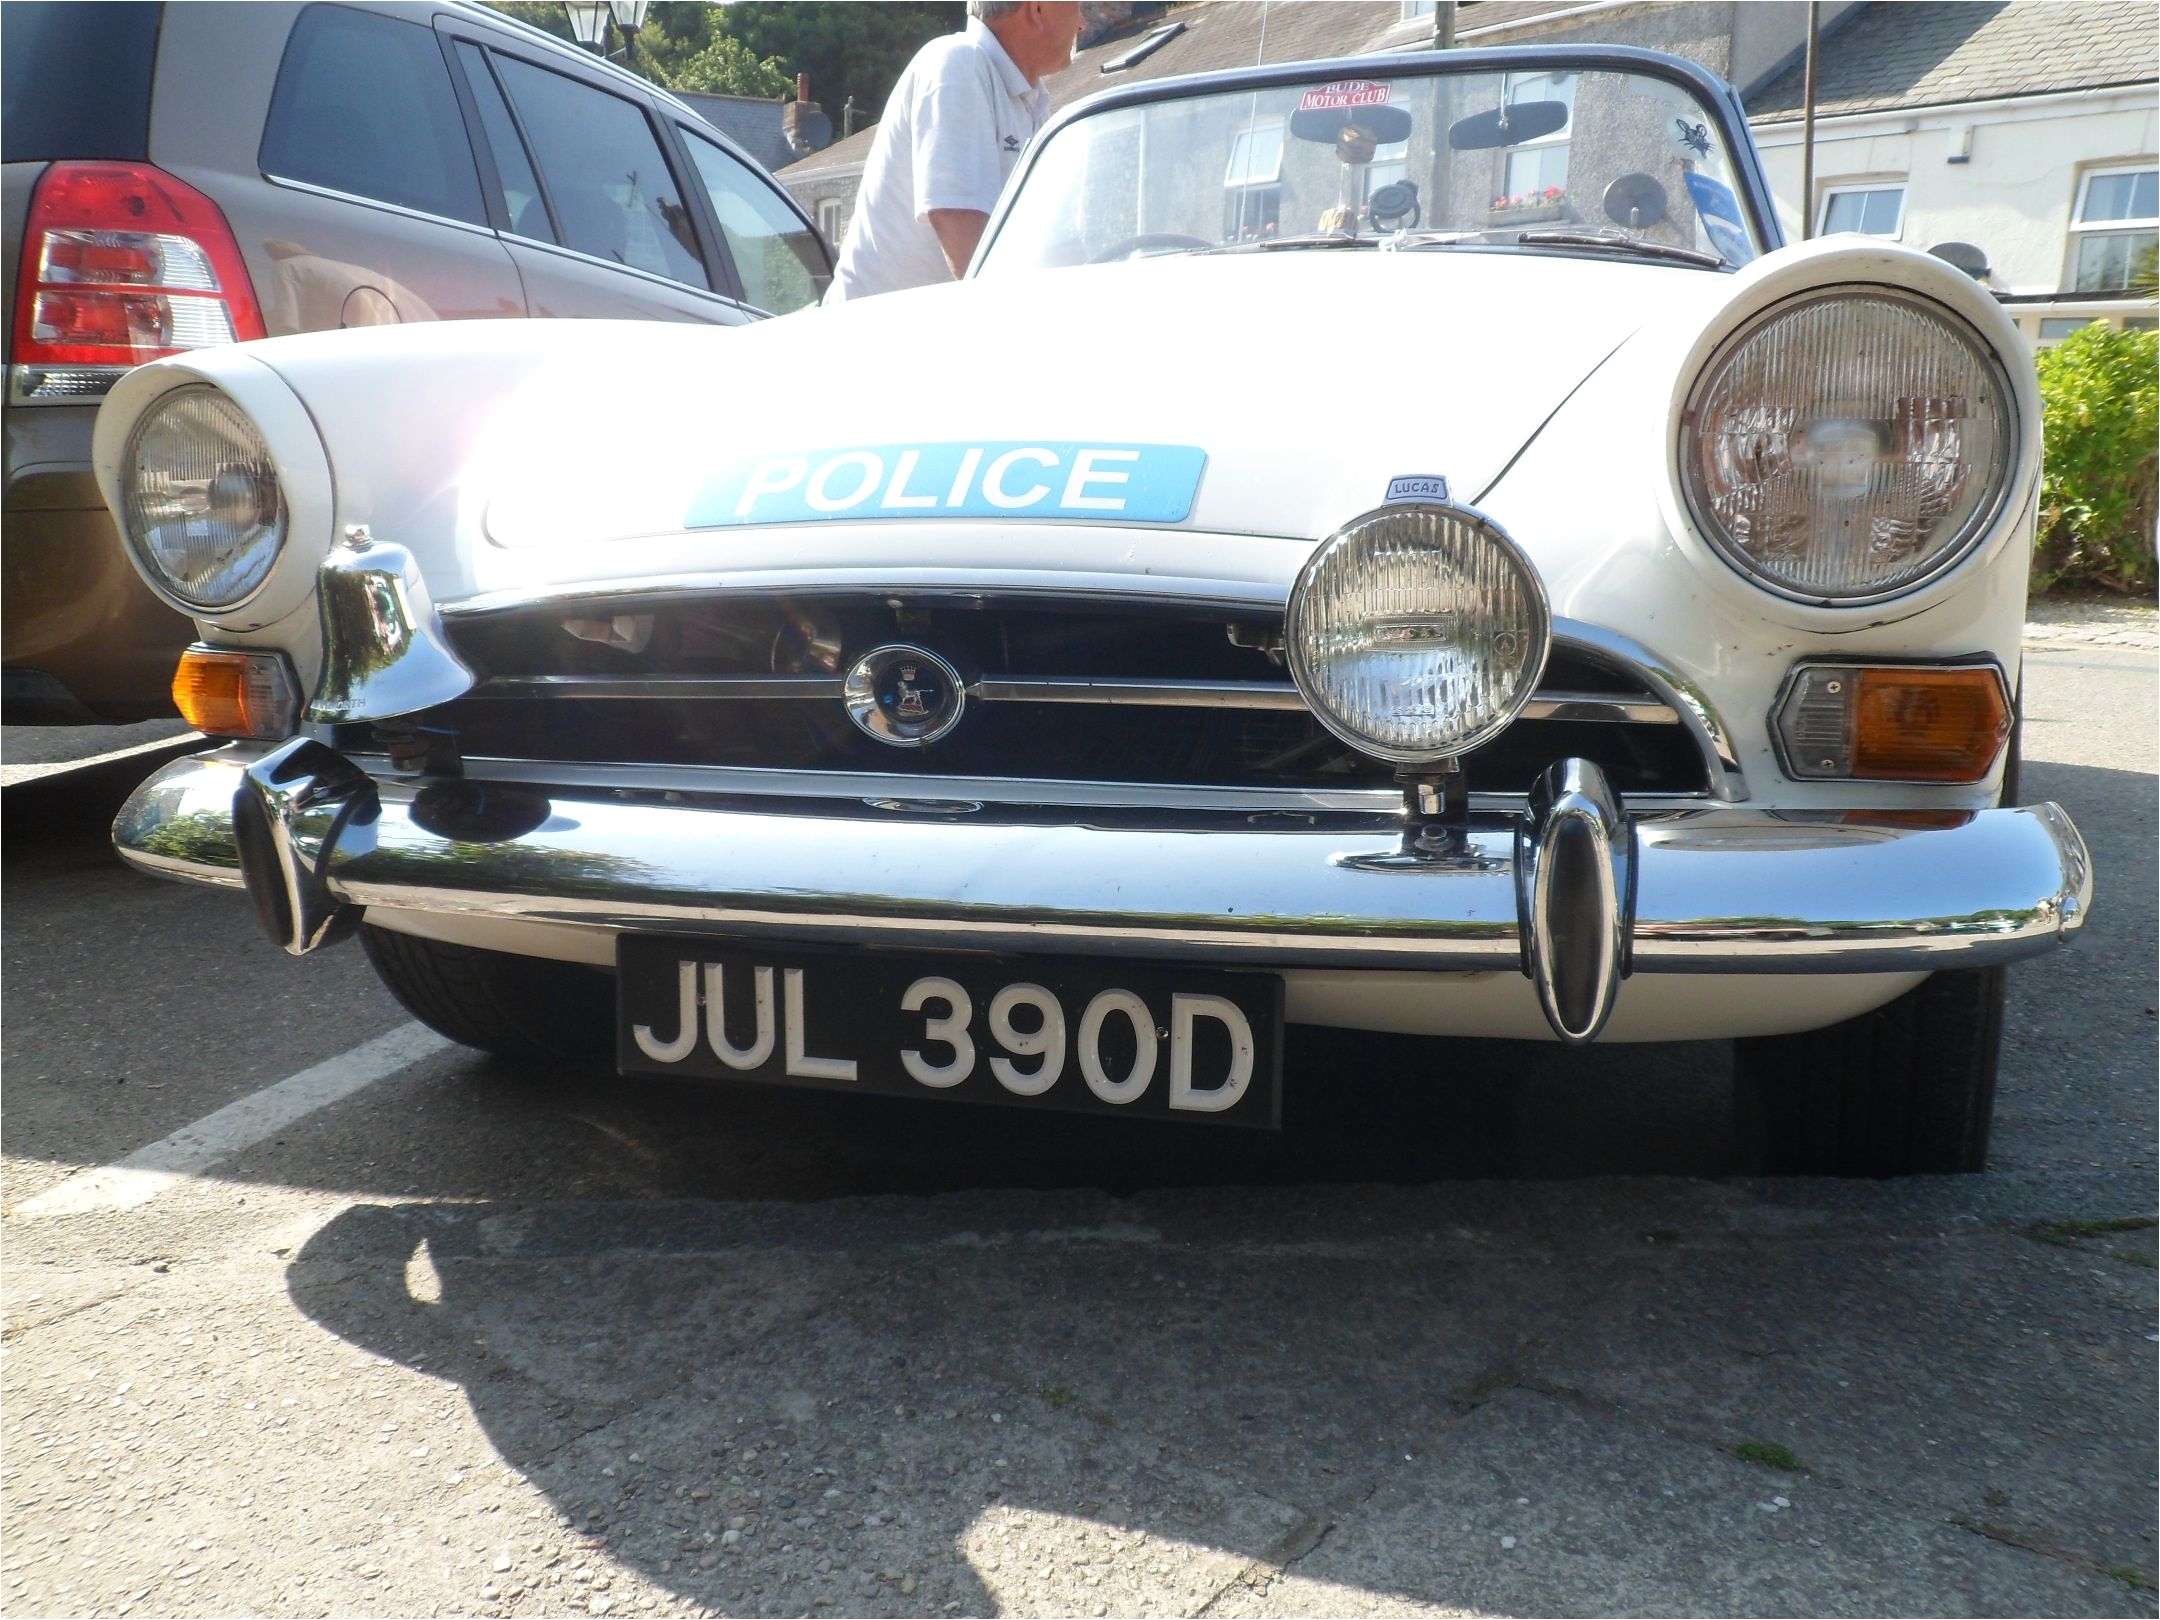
<point x="1014" y="80"/>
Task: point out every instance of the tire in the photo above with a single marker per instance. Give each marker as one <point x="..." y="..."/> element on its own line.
<point x="526" y="1008"/>
<point x="1908" y="1089"/>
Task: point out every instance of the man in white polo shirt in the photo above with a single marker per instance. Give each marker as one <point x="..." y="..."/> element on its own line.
<point x="952" y="130"/>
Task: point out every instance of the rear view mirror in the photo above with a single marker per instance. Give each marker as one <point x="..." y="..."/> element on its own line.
<point x="1506" y="126"/>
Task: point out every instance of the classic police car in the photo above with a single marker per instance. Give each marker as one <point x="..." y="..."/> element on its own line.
<point x="1394" y="544"/>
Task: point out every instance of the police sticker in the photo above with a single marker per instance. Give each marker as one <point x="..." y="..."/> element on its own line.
<point x="1071" y="483"/>
<point x="1417" y="487"/>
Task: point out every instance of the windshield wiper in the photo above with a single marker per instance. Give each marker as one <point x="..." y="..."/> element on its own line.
<point x="1318" y="239"/>
<point x="1624" y="242"/>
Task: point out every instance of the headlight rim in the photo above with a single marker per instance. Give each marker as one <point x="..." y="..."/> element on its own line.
<point x="1989" y="520"/>
<point x="1489" y="530"/>
<point x="146" y="565"/>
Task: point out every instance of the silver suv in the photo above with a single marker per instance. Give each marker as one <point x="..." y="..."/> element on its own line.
<point x="178" y="176"/>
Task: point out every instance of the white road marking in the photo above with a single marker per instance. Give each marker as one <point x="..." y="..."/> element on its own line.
<point x="214" y="1138"/>
<point x="11" y="774"/>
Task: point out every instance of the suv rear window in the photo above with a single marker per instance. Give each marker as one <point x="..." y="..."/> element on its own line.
<point x="363" y="105"/>
<point x="75" y="80"/>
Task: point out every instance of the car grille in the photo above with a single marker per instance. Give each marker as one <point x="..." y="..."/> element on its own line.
<point x="1096" y="692"/>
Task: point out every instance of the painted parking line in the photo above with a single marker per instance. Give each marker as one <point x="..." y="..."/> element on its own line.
<point x="184" y="742"/>
<point x="214" y="1138"/>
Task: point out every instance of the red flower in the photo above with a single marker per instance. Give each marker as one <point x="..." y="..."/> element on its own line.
<point x="1552" y="193"/>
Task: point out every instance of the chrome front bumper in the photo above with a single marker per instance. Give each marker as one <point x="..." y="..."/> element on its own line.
<point x="1574" y="892"/>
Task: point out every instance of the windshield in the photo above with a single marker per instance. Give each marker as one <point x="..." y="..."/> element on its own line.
<point x="1522" y="159"/>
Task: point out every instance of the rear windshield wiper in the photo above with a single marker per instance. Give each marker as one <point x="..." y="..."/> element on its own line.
<point x="1623" y="242"/>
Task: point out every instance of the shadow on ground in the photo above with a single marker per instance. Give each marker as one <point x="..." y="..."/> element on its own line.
<point x="1668" y="1397"/>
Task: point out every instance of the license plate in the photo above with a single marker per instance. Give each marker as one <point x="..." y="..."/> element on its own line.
<point x="1083" y="1036"/>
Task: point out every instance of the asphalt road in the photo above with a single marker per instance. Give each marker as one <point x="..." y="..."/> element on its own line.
<point x="1488" y="1328"/>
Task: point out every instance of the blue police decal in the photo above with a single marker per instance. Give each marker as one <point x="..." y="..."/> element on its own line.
<point x="1071" y="483"/>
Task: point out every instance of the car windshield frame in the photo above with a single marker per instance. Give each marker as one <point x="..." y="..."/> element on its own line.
<point x="1717" y="99"/>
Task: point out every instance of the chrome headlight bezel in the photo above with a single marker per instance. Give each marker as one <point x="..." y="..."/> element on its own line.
<point x="1535" y="627"/>
<point x="1982" y="521"/>
<point x="255" y="466"/>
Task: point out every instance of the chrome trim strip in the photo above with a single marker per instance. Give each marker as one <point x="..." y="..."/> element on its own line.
<point x="1577" y="706"/>
<point x="1601" y="708"/>
<point x="973" y="584"/>
<point x="1728" y="783"/>
<point x="420" y="214"/>
<point x="758" y="782"/>
<point x="686" y="687"/>
<point x="1718" y="891"/>
<point x="1165" y="694"/>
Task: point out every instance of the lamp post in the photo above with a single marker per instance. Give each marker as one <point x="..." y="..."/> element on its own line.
<point x="589" y="20"/>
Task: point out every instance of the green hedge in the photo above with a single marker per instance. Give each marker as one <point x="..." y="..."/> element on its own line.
<point x="2100" y="388"/>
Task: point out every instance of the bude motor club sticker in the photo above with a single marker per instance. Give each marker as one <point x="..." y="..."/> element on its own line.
<point x="1345" y="94"/>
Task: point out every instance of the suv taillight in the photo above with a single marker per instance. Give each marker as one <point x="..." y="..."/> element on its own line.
<point x="121" y="263"/>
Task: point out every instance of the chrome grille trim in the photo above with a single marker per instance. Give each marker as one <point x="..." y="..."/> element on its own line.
<point x="962" y="793"/>
<point x="1587" y="706"/>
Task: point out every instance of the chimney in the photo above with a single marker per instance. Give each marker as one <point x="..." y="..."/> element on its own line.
<point x="803" y="121"/>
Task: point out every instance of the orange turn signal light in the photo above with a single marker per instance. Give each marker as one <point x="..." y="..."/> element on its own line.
<point x="222" y="693"/>
<point x="1894" y="722"/>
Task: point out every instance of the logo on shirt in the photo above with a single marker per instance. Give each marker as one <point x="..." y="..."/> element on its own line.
<point x="1012" y="143"/>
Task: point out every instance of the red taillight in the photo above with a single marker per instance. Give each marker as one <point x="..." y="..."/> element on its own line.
<point x="123" y="263"/>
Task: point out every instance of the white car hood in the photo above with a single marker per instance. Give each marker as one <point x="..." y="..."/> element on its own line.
<point x="1305" y="382"/>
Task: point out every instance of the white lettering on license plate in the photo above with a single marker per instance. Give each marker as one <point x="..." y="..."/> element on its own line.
<point x="1026" y="1061"/>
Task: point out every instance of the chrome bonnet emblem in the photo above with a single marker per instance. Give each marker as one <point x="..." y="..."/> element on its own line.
<point x="903" y="695"/>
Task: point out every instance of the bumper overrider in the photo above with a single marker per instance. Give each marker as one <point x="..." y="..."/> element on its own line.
<point x="1574" y="891"/>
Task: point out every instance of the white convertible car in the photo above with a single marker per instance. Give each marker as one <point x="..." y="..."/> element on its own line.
<point x="1395" y="544"/>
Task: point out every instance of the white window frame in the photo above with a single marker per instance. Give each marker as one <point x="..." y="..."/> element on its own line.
<point x="2078" y="221"/>
<point x="1241" y="143"/>
<point x="1861" y="189"/>
<point x="2083" y="230"/>
<point x="829" y="223"/>
<point x="1412" y="9"/>
<point x="1559" y="140"/>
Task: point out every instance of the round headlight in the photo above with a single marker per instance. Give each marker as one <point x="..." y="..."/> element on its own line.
<point x="1846" y="448"/>
<point x="1417" y="632"/>
<point x="204" y="511"/>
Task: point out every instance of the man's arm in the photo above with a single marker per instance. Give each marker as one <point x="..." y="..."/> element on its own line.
<point x="958" y="230"/>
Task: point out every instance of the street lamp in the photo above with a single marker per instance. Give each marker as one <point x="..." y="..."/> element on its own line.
<point x="588" y="21"/>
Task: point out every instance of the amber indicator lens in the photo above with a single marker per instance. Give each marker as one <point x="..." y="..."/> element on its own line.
<point x="1929" y="725"/>
<point x="235" y="694"/>
<point x="1893" y="722"/>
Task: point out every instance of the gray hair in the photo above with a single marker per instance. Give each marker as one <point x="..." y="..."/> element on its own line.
<point x="990" y="11"/>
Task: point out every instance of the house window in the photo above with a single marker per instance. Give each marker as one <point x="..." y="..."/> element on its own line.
<point x="1389" y="164"/>
<point x="830" y="223"/>
<point x="1416" y="8"/>
<point x="1537" y="170"/>
<point x="2115" y="229"/>
<point x="1252" y="182"/>
<point x="2056" y="328"/>
<point x="1869" y="210"/>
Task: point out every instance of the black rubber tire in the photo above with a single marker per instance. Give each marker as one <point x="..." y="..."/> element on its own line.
<point x="1908" y="1089"/>
<point x="520" y="1007"/>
